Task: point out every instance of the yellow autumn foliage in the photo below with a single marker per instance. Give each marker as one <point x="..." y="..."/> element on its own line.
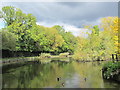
<point x="111" y="24"/>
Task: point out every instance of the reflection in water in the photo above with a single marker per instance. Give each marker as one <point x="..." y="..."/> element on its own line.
<point x="70" y="74"/>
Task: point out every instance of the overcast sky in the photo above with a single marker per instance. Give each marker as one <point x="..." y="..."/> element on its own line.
<point x="72" y="15"/>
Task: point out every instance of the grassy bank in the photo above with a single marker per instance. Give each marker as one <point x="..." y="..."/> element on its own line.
<point x="42" y="58"/>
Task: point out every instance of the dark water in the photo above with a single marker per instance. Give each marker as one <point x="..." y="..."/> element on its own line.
<point x="73" y="75"/>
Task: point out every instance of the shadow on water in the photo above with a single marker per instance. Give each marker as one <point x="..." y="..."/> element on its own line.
<point x="70" y="74"/>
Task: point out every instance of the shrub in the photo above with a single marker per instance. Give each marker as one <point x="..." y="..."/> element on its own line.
<point x="45" y="55"/>
<point x="8" y="40"/>
<point x="110" y="67"/>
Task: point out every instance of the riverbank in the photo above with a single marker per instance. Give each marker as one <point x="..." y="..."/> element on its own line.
<point x="111" y="71"/>
<point x="45" y="58"/>
<point x="7" y="61"/>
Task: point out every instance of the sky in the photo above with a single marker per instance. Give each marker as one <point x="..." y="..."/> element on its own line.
<point x="72" y="15"/>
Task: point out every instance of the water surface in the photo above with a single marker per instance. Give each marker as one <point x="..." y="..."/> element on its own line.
<point x="72" y="74"/>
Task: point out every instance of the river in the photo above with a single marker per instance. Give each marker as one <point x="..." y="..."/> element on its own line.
<point x="71" y="74"/>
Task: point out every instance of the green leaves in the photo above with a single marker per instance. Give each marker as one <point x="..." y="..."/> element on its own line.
<point x="33" y="37"/>
<point x="69" y="40"/>
<point x="110" y="68"/>
<point x="48" y="38"/>
<point x="8" y="40"/>
<point x="98" y="45"/>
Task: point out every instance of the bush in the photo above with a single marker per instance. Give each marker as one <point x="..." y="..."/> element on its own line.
<point x="45" y="55"/>
<point x="8" y="40"/>
<point x="110" y="67"/>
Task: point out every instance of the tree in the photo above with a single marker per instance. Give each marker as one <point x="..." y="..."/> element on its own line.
<point x="96" y="29"/>
<point x="8" y="13"/>
<point x="33" y="37"/>
<point x="110" y="25"/>
<point x="8" y="40"/>
<point x="70" y="40"/>
<point x="101" y="43"/>
<point x="47" y="39"/>
<point x="20" y="24"/>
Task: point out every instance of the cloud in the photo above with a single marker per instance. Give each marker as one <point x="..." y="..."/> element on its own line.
<point x="60" y="0"/>
<point x="71" y="28"/>
<point x="76" y="31"/>
<point x="73" y="15"/>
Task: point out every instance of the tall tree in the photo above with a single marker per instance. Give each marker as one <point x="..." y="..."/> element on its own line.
<point x="20" y="23"/>
<point x="70" y="40"/>
<point x="48" y="39"/>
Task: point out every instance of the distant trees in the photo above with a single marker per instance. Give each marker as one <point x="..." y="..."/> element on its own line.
<point x="47" y="39"/>
<point x="33" y="37"/>
<point x="70" y="41"/>
<point x="101" y="43"/>
<point x="23" y="34"/>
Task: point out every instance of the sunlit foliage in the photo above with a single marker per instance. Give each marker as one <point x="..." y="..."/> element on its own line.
<point x="101" y="43"/>
<point x="33" y="37"/>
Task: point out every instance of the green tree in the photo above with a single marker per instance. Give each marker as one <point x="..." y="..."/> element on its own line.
<point x="8" y="13"/>
<point x="70" y="40"/>
<point x="47" y="39"/>
<point x="20" y="23"/>
<point x="96" y="28"/>
<point x="99" y="45"/>
<point x="8" y="40"/>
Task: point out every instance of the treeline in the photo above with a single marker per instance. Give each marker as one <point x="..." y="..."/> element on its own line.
<point x="101" y="43"/>
<point x="21" y="33"/>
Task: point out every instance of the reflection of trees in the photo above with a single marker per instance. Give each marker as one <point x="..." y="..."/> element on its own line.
<point x="20" y="76"/>
<point x="92" y="72"/>
<point x="29" y="73"/>
<point x="36" y="75"/>
<point x="50" y="72"/>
